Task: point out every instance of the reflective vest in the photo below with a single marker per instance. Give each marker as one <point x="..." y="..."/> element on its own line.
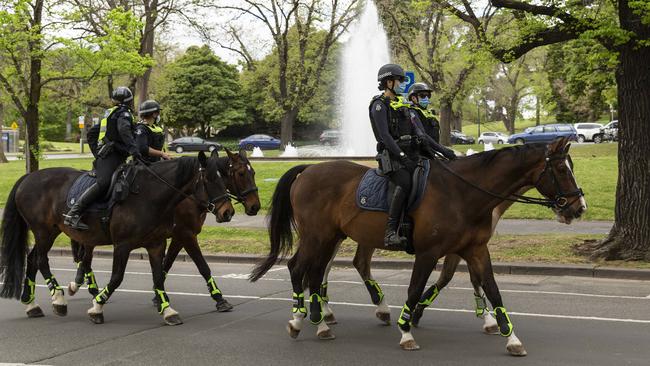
<point x="104" y="123"/>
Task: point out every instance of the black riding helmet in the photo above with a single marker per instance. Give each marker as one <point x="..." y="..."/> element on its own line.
<point x="389" y="72"/>
<point x="417" y="88"/>
<point x="148" y="107"/>
<point x="122" y="94"/>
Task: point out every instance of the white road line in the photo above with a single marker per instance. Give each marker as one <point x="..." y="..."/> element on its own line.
<point x="534" y="315"/>
<point x="242" y="276"/>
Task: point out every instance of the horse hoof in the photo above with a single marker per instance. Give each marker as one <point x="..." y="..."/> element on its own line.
<point x="384" y="317"/>
<point x="326" y="335"/>
<point x="330" y="319"/>
<point x="293" y="332"/>
<point x="173" y="320"/>
<point x="224" y="306"/>
<point x="60" y="310"/>
<point x="97" y="318"/>
<point x="409" y="345"/>
<point x="491" y="329"/>
<point x="73" y="287"/>
<point x="517" y="350"/>
<point x="35" y="312"/>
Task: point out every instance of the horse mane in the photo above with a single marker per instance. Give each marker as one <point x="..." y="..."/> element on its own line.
<point x="487" y="157"/>
<point x="186" y="168"/>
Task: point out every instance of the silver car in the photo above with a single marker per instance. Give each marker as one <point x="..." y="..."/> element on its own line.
<point x="492" y="137"/>
<point x="587" y="131"/>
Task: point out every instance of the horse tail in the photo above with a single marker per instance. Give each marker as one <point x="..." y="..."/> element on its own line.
<point x="14" y="247"/>
<point x="280" y="222"/>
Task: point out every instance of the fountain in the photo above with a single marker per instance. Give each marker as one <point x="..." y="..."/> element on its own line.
<point x="257" y="153"/>
<point x="290" y="151"/>
<point x="364" y="53"/>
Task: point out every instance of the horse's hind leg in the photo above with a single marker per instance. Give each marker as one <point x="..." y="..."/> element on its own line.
<point x="298" y="309"/>
<point x="315" y="276"/>
<point x="330" y="319"/>
<point x="84" y="273"/>
<point x="28" y="297"/>
<point x="43" y="245"/>
<point x="361" y="262"/>
<point x="490" y="325"/>
<point x="156" y="254"/>
<point x="479" y="263"/>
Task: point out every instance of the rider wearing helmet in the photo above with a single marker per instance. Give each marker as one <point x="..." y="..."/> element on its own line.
<point x="399" y="134"/>
<point x="420" y="97"/>
<point x="115" y="144"/>
<point x="149" y="136"/>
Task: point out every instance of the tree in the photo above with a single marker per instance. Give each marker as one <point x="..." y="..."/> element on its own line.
<point x="510" y="84"/>
<point x="202" y="92"/>
<point x="295" y="85"/>
<point x="628" y="36"/>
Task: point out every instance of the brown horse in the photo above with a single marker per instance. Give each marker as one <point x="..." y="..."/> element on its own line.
<point x="38" y="201"/>
<point x="189" y="216"/>
<point x="454" y="217"/>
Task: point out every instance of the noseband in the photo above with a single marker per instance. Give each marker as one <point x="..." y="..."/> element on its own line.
<point x="239" y="195"/>
<point x="561" y="200"/>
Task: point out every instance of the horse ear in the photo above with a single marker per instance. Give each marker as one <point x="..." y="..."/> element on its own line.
<point x="214" y="153"/>
<point x="203" y="160"/>
<point x="242" y="153"/>
<point x="567" y="147"/>
<point x="231" y="156"/>
<point x="557" y="145"/>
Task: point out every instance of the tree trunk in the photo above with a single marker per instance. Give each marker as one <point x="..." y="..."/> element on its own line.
<point x="3" y="158"/>
<point x="629" y="239"/>
<point x="146" y="48"/>
<point x="32" y="141"/>
<point x="537" y="110"/>
<point x="286" y="126"/>
<point x="446" y="115"/>
<point x="68" y="124"/>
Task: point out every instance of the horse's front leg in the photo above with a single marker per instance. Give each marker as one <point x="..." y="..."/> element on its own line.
<point x="84" y="273"/>
<point x="120" y="258"/>
<point x="479" y="263"/>
<point x="422" y="268"/>
<point x="156" y="254"/>
<point x="361" y="262"/>
<point x="43" y="245"/>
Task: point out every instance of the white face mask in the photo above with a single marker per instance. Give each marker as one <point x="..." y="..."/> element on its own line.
<point x="157" y="120"/>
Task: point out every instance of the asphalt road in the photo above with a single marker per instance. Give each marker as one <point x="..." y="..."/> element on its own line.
<point x="560" y="320"/>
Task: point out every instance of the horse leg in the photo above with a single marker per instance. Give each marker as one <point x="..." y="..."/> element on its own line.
<point x="361" y="262"/>
<point x="297" y="273"/>
<point x="447" y="273"/>
<point x="85" y="274"/>
<point x="43" y="245"/>
<point x="120" y="257"/>
<point x="28" y="296"/>
<point x="479" y="262"/>
<point x="77" y="254"/>
<point x="422" y="269"/>
<point x="327" y="310"/>
<point x="315" y="279"/>
<point x="156" y="254"/>
<point x="194" y="251"/>
<point x="490" y="325"/>
<point x="172" y="252"/>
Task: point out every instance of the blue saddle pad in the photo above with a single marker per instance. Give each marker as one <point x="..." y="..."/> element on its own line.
<point x="79" y="187"/>
<point x="372" y="193"/>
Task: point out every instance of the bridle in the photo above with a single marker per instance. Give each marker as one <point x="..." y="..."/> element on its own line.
<point x="559" y="202"/>
<point x="239" y="196"/>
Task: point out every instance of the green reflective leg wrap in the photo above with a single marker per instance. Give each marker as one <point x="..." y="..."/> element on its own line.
<point x="429" y="296"/>
<point x="90" y="280"/>
<point x="214" y="290"/>
<point x="28" y="292"/>
<point x="103" y="296"/>
<point x="299" y="304"/>
<point x="505" y="325"/>
<point x="481" y="305"/>
<point x="53" y="285"/>
<point x="376" y="294"/>
<point x="323" y="292"/>
<point x="164" y="300"/>
<point x="404" y="321"/>
<point x="316" y="309"/>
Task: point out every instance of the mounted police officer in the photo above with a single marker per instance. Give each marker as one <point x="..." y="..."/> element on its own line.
<point x="115" y="144"/>
<point x="399" y="135"/>
<point x="149" y="136"/>
<point x="420" y="97"/>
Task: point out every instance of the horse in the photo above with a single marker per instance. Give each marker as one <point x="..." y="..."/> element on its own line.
<point x="319" y="202"/>
<point x="189" y="217"/>
<point x="37" y="203"/>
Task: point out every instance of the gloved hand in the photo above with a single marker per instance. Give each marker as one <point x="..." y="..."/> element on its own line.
<point x="408" y="163"/>
<point x="449" y="154"/>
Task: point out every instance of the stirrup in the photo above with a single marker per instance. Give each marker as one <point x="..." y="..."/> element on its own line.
<point x="402" y="243"/>
<point x="74" y="221"/>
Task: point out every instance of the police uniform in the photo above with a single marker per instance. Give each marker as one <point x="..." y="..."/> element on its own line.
<point x="429" y="122"/>
<point x="149" y="136"/>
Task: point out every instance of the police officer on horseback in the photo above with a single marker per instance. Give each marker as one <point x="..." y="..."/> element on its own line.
<point x="400" y="139"/>
<point x="149" y="136"/>
<point x="115" y="144"/>
<point x="420" y="97"/>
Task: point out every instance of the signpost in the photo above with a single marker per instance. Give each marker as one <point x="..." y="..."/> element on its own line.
<point x="82" y="124"/>
<point x="14" y="126"/>
<point x="410" y="80"/>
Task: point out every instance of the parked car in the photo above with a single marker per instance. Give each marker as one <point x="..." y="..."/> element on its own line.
<point x="193" y="144"/>
<point x="608" y="133"/>
<point x="546" y="133"/>
<point x="261" y="141"/>
<point x="330" y="137"/>
<point x="587" y="131"/>
<point x="493" y="137"/>
<point x="459" y="138"/>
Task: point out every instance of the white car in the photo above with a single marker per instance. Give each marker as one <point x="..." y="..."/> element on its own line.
<point x="587" y="131"/>
<point x="492" y="137"/>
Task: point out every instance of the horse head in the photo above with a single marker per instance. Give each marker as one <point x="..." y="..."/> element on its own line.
<point x="241" y="181"/>
<point x="214" y="188"/>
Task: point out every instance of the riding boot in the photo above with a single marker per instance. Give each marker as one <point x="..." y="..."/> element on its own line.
<point x="392" y="239"/>
<point x="73" y="217"/>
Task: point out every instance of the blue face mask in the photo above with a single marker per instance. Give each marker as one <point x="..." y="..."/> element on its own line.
<point x="424" y="102"/>
<point x="400" y="88"/>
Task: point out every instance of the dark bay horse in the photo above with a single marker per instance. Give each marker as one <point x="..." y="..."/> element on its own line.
<point x="453" y="218"/>
<point x="189" y="216"/>
<point x="38" y="201"/>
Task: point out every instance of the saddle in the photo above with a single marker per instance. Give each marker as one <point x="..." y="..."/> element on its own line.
<point x="373" y="193"/>
<point x="121" y="186"/>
